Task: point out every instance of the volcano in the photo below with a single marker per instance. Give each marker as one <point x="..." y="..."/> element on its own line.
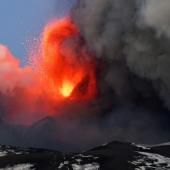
<point x="99" y="74"/>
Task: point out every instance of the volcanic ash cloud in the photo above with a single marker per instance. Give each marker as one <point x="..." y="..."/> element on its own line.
<point x="134" y="34"/>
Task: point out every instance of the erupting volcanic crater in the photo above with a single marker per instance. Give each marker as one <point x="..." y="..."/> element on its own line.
<point x="66" y="64"/>
<point x="98" y="74"/>
<point x="61" y="69"/>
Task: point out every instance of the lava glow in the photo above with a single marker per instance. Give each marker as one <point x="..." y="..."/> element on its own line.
<point x="66" y="63"/>
<point x="63" y="70"/>
<point x="66" y="89"/>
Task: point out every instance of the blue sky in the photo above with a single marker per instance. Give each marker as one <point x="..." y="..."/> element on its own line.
<point x="23" y="20"/>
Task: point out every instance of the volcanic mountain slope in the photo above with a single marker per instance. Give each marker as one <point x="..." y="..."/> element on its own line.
<point x="114" y="155"/>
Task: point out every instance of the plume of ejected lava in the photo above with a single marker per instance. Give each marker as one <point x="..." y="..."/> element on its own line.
<point x="62" y="70"/>
<point x="66" y="66"/>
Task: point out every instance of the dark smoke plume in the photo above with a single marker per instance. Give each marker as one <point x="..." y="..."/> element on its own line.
<point x="132" y="38"/>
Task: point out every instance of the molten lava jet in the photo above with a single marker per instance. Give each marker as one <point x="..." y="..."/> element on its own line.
<point x="62" y="71"/>
<point x="67" y="69"/>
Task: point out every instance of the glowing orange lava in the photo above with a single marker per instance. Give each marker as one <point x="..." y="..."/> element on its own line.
<point x="67" y="68"/>
<point x="61" y="70"/>
<point x="66" y="89"/>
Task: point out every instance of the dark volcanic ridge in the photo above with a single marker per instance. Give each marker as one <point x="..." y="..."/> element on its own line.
<point x="73" y="135"/>
<point x="114" y="155"/>
<point x="129" y="43"/>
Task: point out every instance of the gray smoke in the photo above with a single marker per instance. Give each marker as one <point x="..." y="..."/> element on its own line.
<point x="129" y="34"/>
<point x="155" y="14"/>
<point x="81" y="134"/>
<point x="147" y="47"/>
<point x="104" y="23"/>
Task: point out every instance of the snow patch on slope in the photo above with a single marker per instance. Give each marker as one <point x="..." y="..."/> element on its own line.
<point x="3" y="153"/>
<point x="162" y="144"/>
<point x="92" y="166"/>
<point x="151" y="160"/>
<point x="20" y="167"/>
<point x="80" y="162"/>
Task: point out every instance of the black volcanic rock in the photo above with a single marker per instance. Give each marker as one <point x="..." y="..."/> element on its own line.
<point x="111" y="156"/>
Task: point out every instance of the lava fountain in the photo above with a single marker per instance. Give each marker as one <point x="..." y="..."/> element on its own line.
<point x="67" y="68"/>
<point x="62" y="71"/>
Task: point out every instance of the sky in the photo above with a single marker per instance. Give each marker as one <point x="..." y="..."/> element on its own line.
<point x="22" y="20"/>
